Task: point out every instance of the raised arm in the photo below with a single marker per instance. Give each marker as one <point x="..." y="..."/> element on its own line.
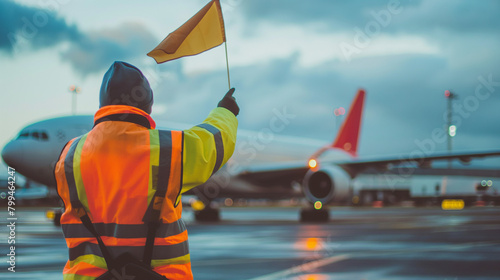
<point x="209" y="145"/>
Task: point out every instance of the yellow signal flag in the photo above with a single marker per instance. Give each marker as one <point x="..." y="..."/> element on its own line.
<point x="204" y="31"/>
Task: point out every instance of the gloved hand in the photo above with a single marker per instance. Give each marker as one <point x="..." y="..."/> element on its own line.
<point x="229" y="102"/>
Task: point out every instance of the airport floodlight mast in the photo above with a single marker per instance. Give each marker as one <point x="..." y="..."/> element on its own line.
<point x="452" y="129"/>
<point x="73" y="90"/>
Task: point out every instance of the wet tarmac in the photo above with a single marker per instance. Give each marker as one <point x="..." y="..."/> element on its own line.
<point x="269" y="243"/>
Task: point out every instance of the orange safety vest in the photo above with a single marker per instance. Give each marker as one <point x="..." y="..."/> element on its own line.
<point x="114" y="172"/>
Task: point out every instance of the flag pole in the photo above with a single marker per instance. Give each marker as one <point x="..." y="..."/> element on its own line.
<point x="227" y="66"/>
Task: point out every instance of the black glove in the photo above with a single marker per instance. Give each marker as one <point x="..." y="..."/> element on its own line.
<point x="229" y="103"/>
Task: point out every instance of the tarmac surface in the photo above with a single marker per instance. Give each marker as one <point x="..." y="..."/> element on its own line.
<point x="269" y="243"/>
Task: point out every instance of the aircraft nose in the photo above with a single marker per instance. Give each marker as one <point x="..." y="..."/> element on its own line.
<point x="12" y="154"/>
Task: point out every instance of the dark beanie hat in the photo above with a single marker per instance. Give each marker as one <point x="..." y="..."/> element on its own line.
<point x="124" y="84"/>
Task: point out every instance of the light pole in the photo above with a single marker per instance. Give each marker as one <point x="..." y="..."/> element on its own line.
<point x="452" y="129"/>
<point x="73" y="90"/>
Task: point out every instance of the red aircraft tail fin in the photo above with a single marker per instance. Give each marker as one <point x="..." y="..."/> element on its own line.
<point x="348" y="135"/>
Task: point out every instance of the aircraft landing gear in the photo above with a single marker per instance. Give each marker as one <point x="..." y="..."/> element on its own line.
<point x="208" y="214"/>
<point x="311" y="215"/>
<point x="57" y="218"/>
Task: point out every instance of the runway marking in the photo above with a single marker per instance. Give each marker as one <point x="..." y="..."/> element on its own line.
<point x="304" y="267"/>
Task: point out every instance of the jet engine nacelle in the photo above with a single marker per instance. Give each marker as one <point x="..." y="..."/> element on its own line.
<point x="329" y="183"/>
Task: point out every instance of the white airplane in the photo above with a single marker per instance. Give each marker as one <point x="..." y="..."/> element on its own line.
<point x="264" y="164"/>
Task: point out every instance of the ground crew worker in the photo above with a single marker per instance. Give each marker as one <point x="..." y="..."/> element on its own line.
<point x="123" y="180"/>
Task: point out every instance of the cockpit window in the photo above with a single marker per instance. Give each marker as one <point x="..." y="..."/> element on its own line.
<point x="23" y="134"/>
<point x="34" y="134"/>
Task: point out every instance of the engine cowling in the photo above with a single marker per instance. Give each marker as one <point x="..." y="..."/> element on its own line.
<point x="327" y="184"/>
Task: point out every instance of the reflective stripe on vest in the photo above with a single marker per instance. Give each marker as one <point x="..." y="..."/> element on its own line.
<point x="219" y="146"/>
<point x="122" y="231"/>
<point x="164" y="152"/>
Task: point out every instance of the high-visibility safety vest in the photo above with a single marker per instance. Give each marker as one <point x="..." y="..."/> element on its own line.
<point x="115" y="170"/>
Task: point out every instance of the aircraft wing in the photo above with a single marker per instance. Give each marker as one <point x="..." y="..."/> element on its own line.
<point x="279" y="181"/>
<point x="276" y="175"/>
<point x="355" y="167"/>
<point x="294" y="171"/>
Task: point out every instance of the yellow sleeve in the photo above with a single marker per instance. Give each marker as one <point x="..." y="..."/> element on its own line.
<point x="207" y="147"/>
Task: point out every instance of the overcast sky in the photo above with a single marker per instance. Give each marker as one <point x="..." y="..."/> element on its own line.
<point x="305" y="57"/>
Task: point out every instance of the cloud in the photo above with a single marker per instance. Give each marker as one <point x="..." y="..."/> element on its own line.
<point x="88" y="52"/>
<point x="97" y="50"/>
<point x="42" y="28"/>
<point x="456" y="16"/>
<point x="416" y="16"/>
<point x="335" y="13"/>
